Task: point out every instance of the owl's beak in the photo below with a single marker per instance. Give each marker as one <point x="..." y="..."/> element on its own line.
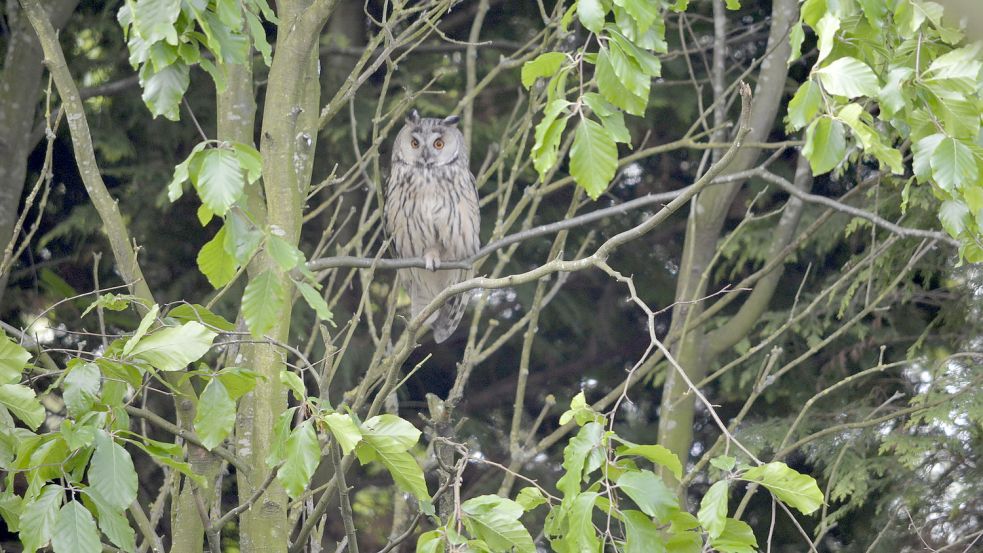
<point x="427" y="158"/>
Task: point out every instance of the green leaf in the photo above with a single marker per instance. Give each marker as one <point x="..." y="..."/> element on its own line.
<point x="644" y="12"/>
<point x="175" y="188"/>
<point x="163" y="90"/>
<point x="641" y="534"/>
<point x="193" y="312"/>
<point x="111" y="472"/>
<point x="216" y="414"/>
<point x="75" y="531"/>
<point x="544" y="65"/>
<point x="954" y="216"/>
<point x="113" y="522"/>
<point x="258" y="33"/>
<point x="262" y="302"/>
<point x="825" y="145"/>
<point x="294" y="384"/>
<point x="580" y="534"/>
<point x="891" y="97"/>
<point x="725" y="463"/>
<point x="495" y="520"/>
<point x="611" y="88"/>
<point x="172" y="348"/>
<point x="112" y="302"/>
<point x="593" y="158"/>
<point x="575" y="456"/>
<point x="924" y="150"/>
<point x="204" y="214"/>
<point x="154" y="20"/>
<point x="548" y="133"/>
<point x="219" y="180"/>
<point x="737" y="537"/>
<point x="22" y="403"/>
<point x="386" y="438"/>
<point x="733" y="4"/>
<point x="629" y="74"/>
<point x="430" y="542"/>
<point x="796" y="37"/>
<point x="826" y="31"/>
<point x="250" y="161"/>
<point x="957" y="70"/>
<point x="315" y="301"/>
<point x="789" y="486"/>
<point x="804" y="105"/>
<point x="39" y="516"/>
<point x="303" y="454"/>
<point x="643" y="60"/>
<point x="657" y="454"/>
<point x="713" y="509"/>
<point x="591" y="14"/>
<point x="848" y="77"/>
<point x="530" y="497"/>
<point x="954" y="165"/>
<point x="142" y="329"/>
<point x="344" y="430"/>
<point x="238" y="381"/>
<point x="286" y="255"/>
<point x="81" y="388"/>
<point x="13" y="359"/>
<point x="648" y="491"/>
<point x="217" y="264"/>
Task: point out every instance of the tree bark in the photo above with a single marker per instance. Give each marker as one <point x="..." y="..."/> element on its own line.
<point x="287" y="142"/>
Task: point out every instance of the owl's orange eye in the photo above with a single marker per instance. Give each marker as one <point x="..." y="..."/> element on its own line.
<point x="415" y="143"/>
<point x="438" y="144"/>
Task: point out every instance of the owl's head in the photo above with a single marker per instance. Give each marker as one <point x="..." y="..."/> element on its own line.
<point x="428" y="142"/>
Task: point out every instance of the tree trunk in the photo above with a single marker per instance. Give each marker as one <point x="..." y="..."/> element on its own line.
<point x="706" y="219"/>
<point x="20" y="88"/>
<point x="287" y="142"/>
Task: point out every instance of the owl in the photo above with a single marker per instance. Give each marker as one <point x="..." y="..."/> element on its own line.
<point x="431" y="212"/>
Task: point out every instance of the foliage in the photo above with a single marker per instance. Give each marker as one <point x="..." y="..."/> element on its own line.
<point x="861" y="372"/>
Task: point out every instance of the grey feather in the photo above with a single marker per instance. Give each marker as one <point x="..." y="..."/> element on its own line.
<point x="431" y="211"/>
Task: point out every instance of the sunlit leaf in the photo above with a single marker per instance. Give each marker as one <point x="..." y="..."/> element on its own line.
<point x="544" y="65"/>
<point x="848" y="77"/>
<point x="344" y="430"/>
<point x="593" y="158"/>
<point x="22" y="403"/>
<point x="13" y="359"/>
<point x="825" y="145"/>
<point x="172" y="348"/>
<point x="713" y="509"/>
<point x="789" y="486"/>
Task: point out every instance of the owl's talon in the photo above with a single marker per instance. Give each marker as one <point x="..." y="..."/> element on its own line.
<point x="431" y="260"/>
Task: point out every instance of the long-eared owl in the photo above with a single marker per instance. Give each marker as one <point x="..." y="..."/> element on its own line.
<point x="432" y="212"/>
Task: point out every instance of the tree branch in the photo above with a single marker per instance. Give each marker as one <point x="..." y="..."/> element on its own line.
<point x="829" y="202"/>
<point x="542" y="230"/>
<point x="188" y="436"/>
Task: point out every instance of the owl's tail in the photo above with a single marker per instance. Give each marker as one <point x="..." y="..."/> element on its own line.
<point x="423" y="286"/>
<point x="449" y="317"/>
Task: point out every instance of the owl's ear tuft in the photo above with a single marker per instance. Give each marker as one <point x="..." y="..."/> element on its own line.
<point x="414" y="117"/>
<point x="452" y="120"/>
